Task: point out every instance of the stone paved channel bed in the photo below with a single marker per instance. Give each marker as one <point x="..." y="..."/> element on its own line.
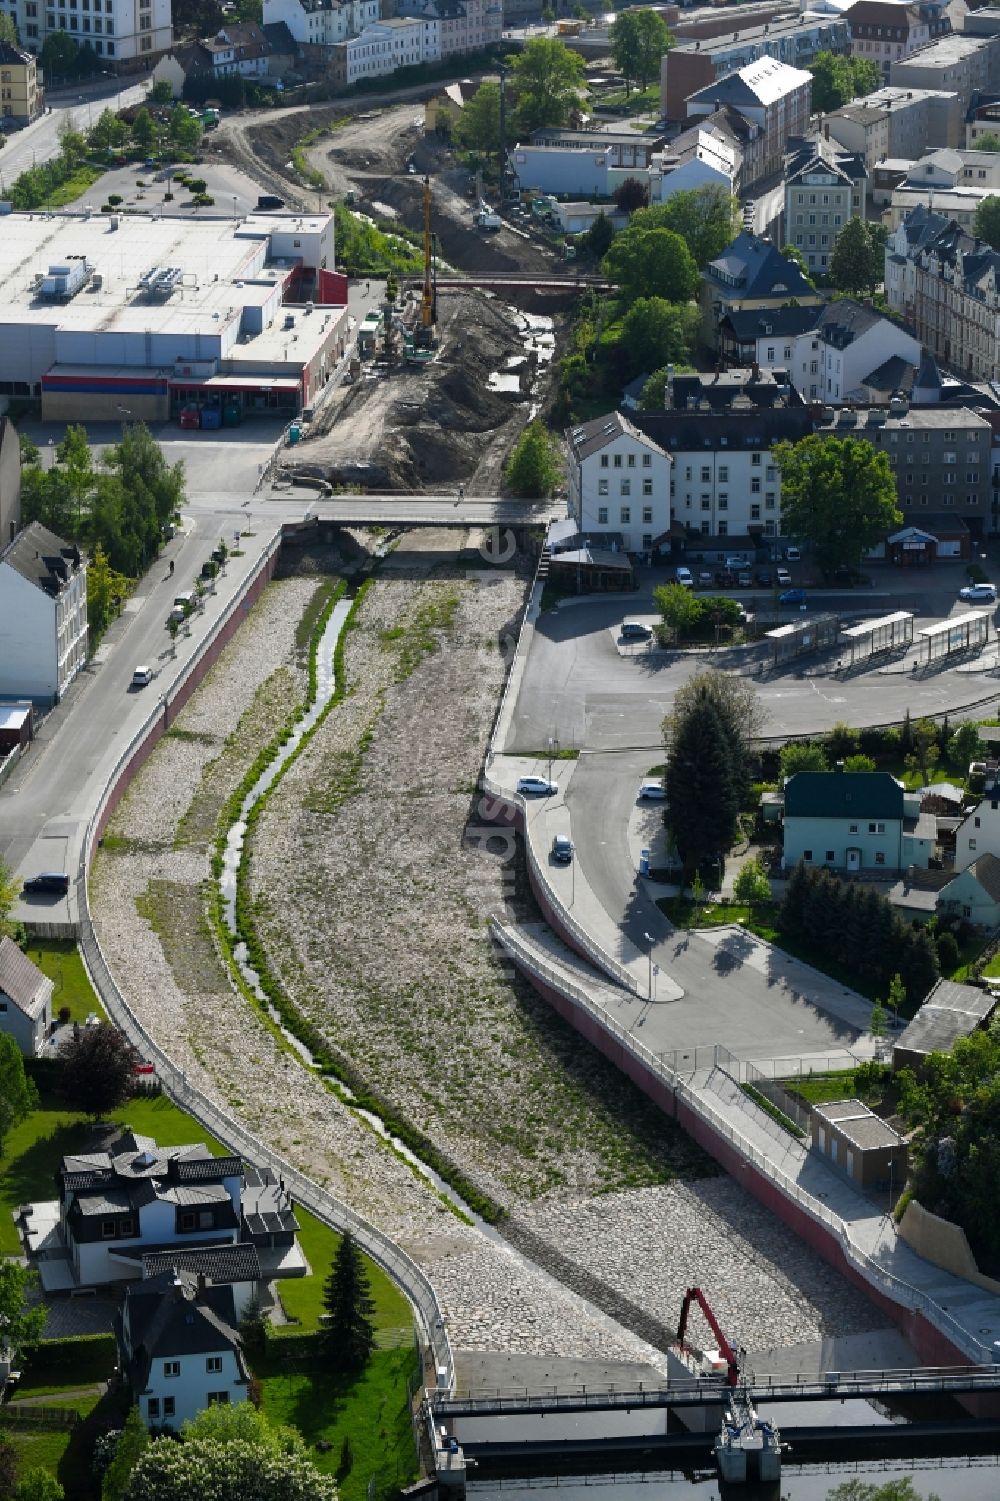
<point x="525" y="1108"/>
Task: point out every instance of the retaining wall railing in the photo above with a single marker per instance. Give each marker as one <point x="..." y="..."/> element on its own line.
<point x="234" y="1135"/>
<point x="685" y="1092"/>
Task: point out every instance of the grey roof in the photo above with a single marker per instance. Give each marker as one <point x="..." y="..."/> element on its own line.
<point x="986" y="870"/>
<point x="777" y="323"/>
<point x="894" y="374"/>
<point x="279" y="38"/>
<point x="209" y="1193"/>
<point x="928" y="377"/>
<point x="169" y="1316"/>
<point x="42" y="558"/>
<point x="761" y="83"/>
<point x="21" y="981"/>
<point x="108" y="1201"/>
<point x="746" y="429"/>
<point x="858" y="1124"/>
<point x="219" y="1264"/>
<point x="14" y="56"/>
<point x="591" y="437"/>
<point x="841" y="322"/>
<point x="949" y="1012"/>
<point x="843" y="794"/>
<point x="752" y="267"/>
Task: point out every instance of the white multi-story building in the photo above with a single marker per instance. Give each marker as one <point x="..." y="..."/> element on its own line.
<point x="322" y="23"/>
<point x="127" y="35"/>
<point x="43" y="615"/>
<point x="824" y="189"/>
<point x="380" y="49"/>
<point x="618" y="483"/>
<point x="463" y="25"/>
<point x="830" y="353"/>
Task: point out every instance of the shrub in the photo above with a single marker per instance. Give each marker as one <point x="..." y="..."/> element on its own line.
<point x="947" y="952"/>
<point x="64" y="1014"/>
<point x="203" y="200"/>
<point x="196" y="184"/>
<point x="167" y="197"/>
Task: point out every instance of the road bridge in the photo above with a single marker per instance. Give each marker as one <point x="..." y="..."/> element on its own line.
<point x="415" y="510"/>
<point x="833" y="1386"/>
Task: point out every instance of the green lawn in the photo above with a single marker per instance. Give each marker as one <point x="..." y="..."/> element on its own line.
<point x="61" y="961"/>
<point x="372" y="1411"/>
<point x="61" y="1451"/>
<point x="34" y="1149"/>
<point x="74" y="187"/>
<point x="303" y="1297"/>
<point x="685" y="913"/>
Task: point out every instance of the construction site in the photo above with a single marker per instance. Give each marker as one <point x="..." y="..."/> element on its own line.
<point x="445" y="379"/>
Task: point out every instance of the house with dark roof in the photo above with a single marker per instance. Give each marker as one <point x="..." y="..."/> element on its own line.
<point x="825" y="187"/>
<point x="618" y="484"/>
<point x="974" y="894"/>
<point x="21" y="99"/>
<point x="946" y="284"/>
<point x="134" y="1200"/>
<point x="43" y="615"/>
<point x="25" y="999"/>
<point x="855" y="821"/>
<point x="179" y="1347"/>
<point x="750" y="274"/>
<point x="773" y="97"/>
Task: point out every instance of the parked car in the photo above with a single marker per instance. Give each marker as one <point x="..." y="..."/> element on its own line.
<point x="537" y="786"/>
<point x="979" y="594"/>
<point x="652" y="792"/>
<point x="744" y="579"/>
<point x="793" y="554"/>
<point x="705" y="579"/>
<point x="763" y="578"/>
<point x="635" y="630"/>
<point x="784" y="578"/>
<point x="562" y="849"/>
<point x="725" y="579"/>
<point x="683" y="577"/>
<point x="48" y="882"/>
<point x="792" y="597"/>
<point x="142" y="677"/>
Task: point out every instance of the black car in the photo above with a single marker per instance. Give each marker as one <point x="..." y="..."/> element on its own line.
<point x="50" y="882"/>
<point x="763" y="577"/>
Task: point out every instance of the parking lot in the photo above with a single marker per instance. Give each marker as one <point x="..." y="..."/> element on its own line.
<point x="144" y="189"/>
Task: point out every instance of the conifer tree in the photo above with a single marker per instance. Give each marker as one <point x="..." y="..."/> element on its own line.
<point x="350" y="1330"/>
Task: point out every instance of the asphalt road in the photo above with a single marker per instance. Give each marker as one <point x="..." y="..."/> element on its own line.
<point x="577" y="687"/>
<point x="40" y="140"/>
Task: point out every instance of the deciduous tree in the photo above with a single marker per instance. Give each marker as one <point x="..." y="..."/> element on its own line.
<point x="986" y="223"/>
<point x="533" y="469"/>
<point x="752" y="887"/>
<point x="98" y="1065"/>
<point x="858" y="260"/>
<point x="233" y="1471"/>
<point x="132" y="1442"/>
<point x="639" y="38"/>
<point x="656" y="333"/>
<point x="679" y="608"/>
<point x="651" y="263"/>
<point x="631" y="194"/>
<point x="349" y="1336"/>
<point x="839" y="493"/>
<point x="18" y="1095"/>
<point x="802" y="756"/>
<point x="21" y="1326"/>
<point x="38" y="1485"/>
<point x="547" y="80"/>
<point x="10" y="887"/>
<point x="707" y="220"/>
<point x="8" y="31"/>
<point x="185" y="130"/>
<point x="988" y="141"/>
<point x="838" y="80"/>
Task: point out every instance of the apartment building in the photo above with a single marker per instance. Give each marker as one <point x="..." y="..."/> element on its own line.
<point x="945" y="284"/>
<point x="953" y="183"/>
<point x="897" y="122"/>
<point x="695" y="64"/>
<point x="21" y="100"/>
<point x="382" y="48"/>
<point x="831" y="353"/>
<point x="618" y="483"/>
<point x="322" y="23"/>
<point x="43" y="615"/>
<point x="940" y="457"/>
<point x="824" y="188"/>
<point x="751" y="274"/>
<point x="460" y="25"/>
<point x="882" y="31"/>
<point x="774" y="100"/>
<point x="957" y="63"/>
<point x="127" y="35"/>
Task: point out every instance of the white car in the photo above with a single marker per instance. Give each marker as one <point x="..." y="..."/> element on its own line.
<point x="652" y="792"/>
<point x="537" y="786"/>
<point x="979" y="594"/>
<point x="784" y="578"/>
<point x="142" y="677"/>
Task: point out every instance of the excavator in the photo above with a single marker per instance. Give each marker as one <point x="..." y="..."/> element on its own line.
<point x="695" y="1295"/>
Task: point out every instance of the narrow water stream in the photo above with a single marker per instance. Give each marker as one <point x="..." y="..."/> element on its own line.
<point x="326" y="684"/>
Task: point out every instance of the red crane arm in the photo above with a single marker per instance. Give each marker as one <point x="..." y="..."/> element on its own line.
<point x="695" y="1295"/>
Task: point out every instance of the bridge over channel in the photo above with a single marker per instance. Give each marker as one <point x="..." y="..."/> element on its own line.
<point x="416" y="510"/>
<point x="832" y="1386"/>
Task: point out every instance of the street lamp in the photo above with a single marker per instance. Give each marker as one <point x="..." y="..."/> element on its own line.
<point x="649" y="939"/>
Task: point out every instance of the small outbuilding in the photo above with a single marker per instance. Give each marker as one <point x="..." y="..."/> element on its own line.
<point x="950" y="1011"/>
<point x="859" y="1143"/>
<point x="15" y="727"/>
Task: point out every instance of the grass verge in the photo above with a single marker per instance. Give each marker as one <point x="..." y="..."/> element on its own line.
<point x="60" y="960"/>
<point x="302" y="1297"/>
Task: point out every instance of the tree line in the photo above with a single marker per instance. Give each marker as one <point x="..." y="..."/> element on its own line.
<point x="856" y="926"/>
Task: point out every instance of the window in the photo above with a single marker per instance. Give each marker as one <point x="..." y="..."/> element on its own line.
<point x="647" y="461"/>
<point x="108" y="1229"/>
<point x="206" y="1219"/>
<point x="879" y="857"/>
<point x="807" y="854"/>
<point x="723" y="501"/>
<point x="706" y="503"/>
<point x="647" y="487"/>
<point x="626" y="487"/>
<point x="187" y="1222"/>
<point x="213" y="1364"/>
<point x="755" y="460"/>
<point x="978" y="823"/>
<point x="630" y="461"/>
<point x="218" y="1399"/>
<point x="626" y="515"/>
<point x="723" y="474"/>
<point x="171" y="1368"/>
<point x="972" y="844"/>
<point x="706" y="474"/>
<point x="876" y="828"/>
<point x="602" y="515"/>
<point x="617" y="461"/>
<point x="755" y="512"/>
<point x="852" y="828"/>
<point x="153" y="1407"/>
<point x="604" y="461"/>
<point x="169" y="1407"/>
<point x="647" y="515"/>
<point x="769" y="500"/>
<point x="602" y="487"/>
<point x="830" y="857"/>
<point x="723" y="528"/>
<point x="755" y="484"/>
<point x="647" y="541"/>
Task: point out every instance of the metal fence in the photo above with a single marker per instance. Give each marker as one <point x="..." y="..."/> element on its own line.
<point x="232" y="1133"/>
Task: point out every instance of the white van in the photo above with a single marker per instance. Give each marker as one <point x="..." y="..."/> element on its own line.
<point x="683" y="577"/>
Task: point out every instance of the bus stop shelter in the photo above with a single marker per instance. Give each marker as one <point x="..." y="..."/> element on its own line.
<point x="949" y="638"/>
<point x="802" y="637"/>
<point x="873" y="637"/>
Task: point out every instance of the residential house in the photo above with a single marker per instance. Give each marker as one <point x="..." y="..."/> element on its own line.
<point x="25" y="1000"/>
<point x="319" y="24"/>
<point x="451" y="101"/>
<point x="979" y="832"/>
<point x="43" y="615"/>
<point x="618" y="482"/>
<point x="771" y="96"/>
<point x="974" y="894"/>
<point x="825" y="187"/>
<point x="283" y="56"/>
<point x="860" y="1143"/>
<point x="696" y="63"/>
<point x="882" y="31"/>
<point x="719" y="431"/>
<point x="945" y="284"/>
<point x="456" y="27"/>
<point x="382" y="48"/>
<point x="582" y="163"/>
<point x="950" y="1011"/>
<point x="239" y="48"/>
<point x="956" y="63"/>
<point x="855" y="821"/>
<point x="128" y="36"/>
<point x="897" y="123"/>
<point x="10" y="481"/>
<point x="179" y="1347"/>
<point x="751" y="274"/>
<point x="951" y="182"/>
<point x="21" y="98"/>
<point x="830" y="353"/>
